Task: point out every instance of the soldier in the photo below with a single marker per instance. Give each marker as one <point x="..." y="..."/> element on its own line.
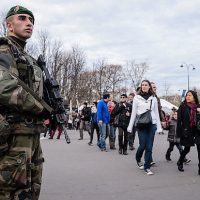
<point x="21" y="162"/>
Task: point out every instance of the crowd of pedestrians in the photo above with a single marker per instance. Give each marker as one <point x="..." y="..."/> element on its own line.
<point x="119" y="121"/>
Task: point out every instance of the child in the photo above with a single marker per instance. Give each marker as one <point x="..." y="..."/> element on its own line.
<point x="172" y="137"/>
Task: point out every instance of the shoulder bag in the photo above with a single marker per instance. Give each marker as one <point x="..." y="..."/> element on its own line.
<point x="144" y="120"/>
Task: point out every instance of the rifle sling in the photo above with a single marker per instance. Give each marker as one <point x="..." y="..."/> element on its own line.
<point x="25" y="87"/>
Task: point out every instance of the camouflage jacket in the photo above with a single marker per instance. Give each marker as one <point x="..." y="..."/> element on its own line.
<point x="13" y="60"/>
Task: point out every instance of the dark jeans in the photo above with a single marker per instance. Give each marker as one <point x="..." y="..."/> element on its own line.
<point x="94" y="127"/>
<point x="185" y="151"/>
<point x="171" y="148"/>
<point x="112" y="136"/>
<point x="123" y="138"/>
<point x="146" y="139"/>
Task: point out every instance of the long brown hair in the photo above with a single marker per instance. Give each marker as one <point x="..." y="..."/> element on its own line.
<point x="150" y="89"/>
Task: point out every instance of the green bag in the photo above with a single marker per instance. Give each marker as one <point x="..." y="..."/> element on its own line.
<point x="4" y="133"/>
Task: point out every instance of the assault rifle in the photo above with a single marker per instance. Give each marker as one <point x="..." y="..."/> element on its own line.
<point x="53" y="97"/>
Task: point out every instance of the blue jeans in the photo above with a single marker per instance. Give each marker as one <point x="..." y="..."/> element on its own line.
<point x="102" y="131"/>
<point x="146" y="139"/>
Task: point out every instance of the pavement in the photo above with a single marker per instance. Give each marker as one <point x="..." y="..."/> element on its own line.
<point x="78" y="171"/>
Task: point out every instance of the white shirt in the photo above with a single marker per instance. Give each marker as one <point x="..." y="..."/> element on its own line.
<point x="141" y="105"/>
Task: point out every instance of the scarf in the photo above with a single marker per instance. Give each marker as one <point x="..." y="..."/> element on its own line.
<point x="145" y="95"/>
<point x="193" y="111"/>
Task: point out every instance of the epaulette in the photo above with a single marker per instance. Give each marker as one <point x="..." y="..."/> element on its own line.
<point x="4" y="40"/>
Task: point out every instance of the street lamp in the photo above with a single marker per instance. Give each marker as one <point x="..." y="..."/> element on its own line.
<point x="188" y="72"/>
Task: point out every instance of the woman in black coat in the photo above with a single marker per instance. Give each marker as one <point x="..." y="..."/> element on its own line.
<point x="186" y="124"/>
<point x="197" y="135"/>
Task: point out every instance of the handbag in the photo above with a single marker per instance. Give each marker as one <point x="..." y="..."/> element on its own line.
<point x="144" y="120"/>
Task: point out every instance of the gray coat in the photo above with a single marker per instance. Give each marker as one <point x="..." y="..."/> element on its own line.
<point x="172" y="136"/>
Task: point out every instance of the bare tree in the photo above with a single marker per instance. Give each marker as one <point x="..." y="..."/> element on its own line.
<point x="2" y="24"/>
<point x="44" y="42"/>
<point x="135" y="72"/>
<point x="166" y="89"/>
<point x="114" y="77"/>
<point x="77" y="62"/>
<point x="99" y="76"/>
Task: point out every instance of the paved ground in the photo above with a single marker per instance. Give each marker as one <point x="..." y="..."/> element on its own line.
<point x="82" y="172"/>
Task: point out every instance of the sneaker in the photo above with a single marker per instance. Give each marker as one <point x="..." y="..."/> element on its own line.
<point x="140" y="165"/>
<point x="90" y="143"/>
<point x="186" y="161"/>
<point x="152" y="163"/>
<point x="104" y="150"/>
<point x="148" y="172"/>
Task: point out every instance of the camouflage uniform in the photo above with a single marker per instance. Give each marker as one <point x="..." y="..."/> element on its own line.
<point x="21" y="162"/>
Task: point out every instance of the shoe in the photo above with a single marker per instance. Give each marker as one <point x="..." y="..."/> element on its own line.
<point x="120" y="151"/>
<point x="131" y="148"/>
<point x="125" y="153"/>
<point x="113" y="148"/>
<point x="168" y="157"/>
<point x="186" y="161"/>
<point x="152" y="163"/>
<point x="140" y="165"/>
<point x="104" y="150"/>
<point x="148" y="172"/>
<point x="50" y="138"/>
<point x="80" y="139"/>
<point x="58" y="138"/>
<point x="199" y="169"/>
<point x="90" y="143"/>
<point x="180" y="166"/>
<point x="99" y="145"/>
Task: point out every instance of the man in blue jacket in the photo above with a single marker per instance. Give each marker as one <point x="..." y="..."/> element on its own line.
<point x="103" y="119"/>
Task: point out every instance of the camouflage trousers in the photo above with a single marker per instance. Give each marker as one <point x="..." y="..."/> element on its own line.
<point x="21" y="168"/>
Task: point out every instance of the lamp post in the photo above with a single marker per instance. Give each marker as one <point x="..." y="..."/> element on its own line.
<point x="188" y="72"/>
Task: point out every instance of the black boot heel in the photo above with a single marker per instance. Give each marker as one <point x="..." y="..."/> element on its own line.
<point x="180" y="166"/>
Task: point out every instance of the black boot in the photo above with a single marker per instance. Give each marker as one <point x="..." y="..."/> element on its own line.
<point x="120" y="151"/>
<point x="180" y="166"/>
<point x="167" y="156"/>
<point x="125" y="152"/>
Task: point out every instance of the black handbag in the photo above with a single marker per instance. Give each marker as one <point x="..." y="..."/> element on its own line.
<point x="144" y="120"/>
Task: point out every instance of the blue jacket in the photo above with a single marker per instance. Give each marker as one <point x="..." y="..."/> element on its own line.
<point x="103" y="112"/>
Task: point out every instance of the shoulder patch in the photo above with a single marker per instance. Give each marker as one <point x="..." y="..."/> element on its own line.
<point x="4" y="40"/>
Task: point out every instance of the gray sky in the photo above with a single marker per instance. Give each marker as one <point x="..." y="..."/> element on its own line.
<point x="164" y="33"/>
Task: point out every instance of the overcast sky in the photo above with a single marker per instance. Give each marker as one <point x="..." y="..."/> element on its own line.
<point x="164" y="33"/>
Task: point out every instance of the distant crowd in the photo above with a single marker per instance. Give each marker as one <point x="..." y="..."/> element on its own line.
<point x="139" y="112"/>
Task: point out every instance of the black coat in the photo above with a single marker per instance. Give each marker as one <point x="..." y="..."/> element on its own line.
<point x="197" y="133"/>
<point x="121" y="110"/>
<point x="86" y="114"/>
<point x="184" y="131"/>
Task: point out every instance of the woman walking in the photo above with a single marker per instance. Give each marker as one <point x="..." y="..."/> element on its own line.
<point x="144" y="101"/>
<point x="186" y="124"/>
